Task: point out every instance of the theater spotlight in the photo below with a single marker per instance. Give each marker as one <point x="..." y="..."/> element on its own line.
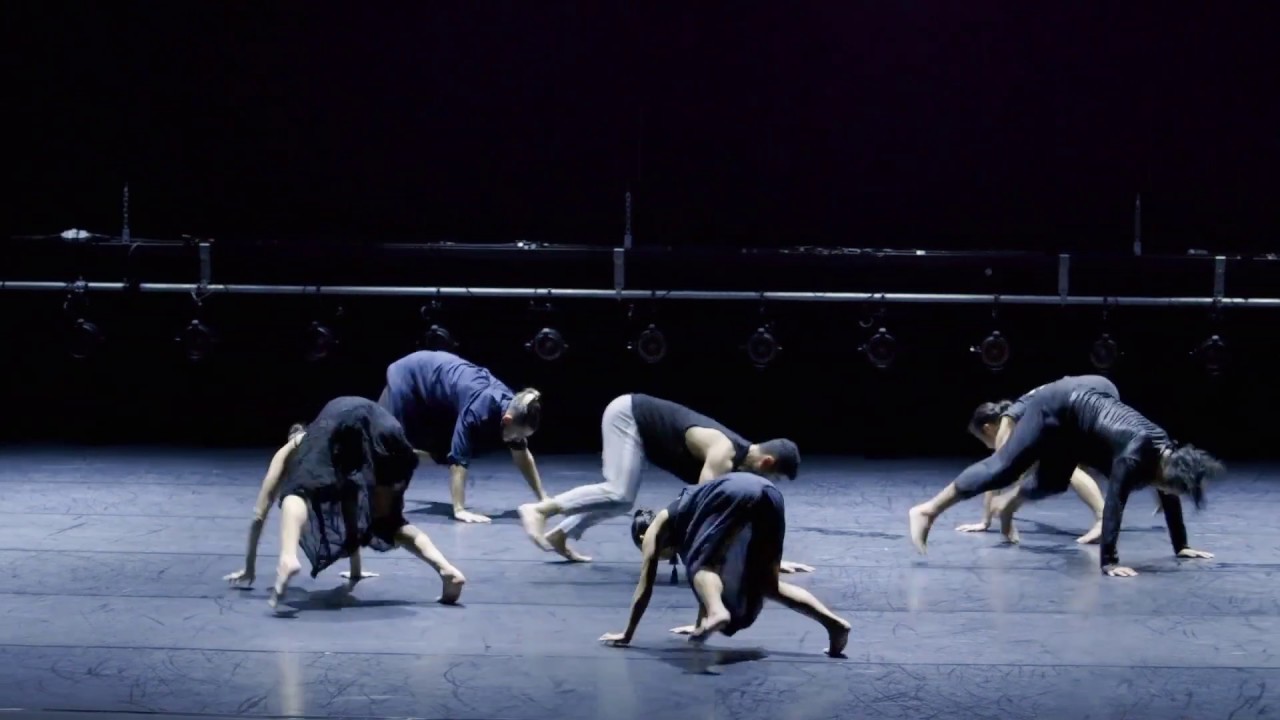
<point x="880" y="349"/>
<point x="993" y="351"/>
<point x="1212" y="354"/>
<point x="438" y="337"/>
<point x="547" y="345"/>
<point x="651" y="345"/>
<point x="763" y="347"/>
<point x="197" y="341"/>
<point x="321" y="342"/>
<point x="1104" y="353"/>
<point x="84" y="338"/>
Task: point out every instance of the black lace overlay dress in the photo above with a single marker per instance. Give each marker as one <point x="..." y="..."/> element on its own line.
<point x="351" y="468"/>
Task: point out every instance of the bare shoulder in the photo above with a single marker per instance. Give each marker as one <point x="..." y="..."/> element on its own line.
<point x="700" y="440"/>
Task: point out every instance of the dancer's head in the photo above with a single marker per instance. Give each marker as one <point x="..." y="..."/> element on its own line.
<point x="1185" y="470"/>
<point x="640" y="522"/>
<point x="778" y="458"/>
<point x="985" y="422"/>
<point x="295" y="430"/>
<point x="522" y="416"/>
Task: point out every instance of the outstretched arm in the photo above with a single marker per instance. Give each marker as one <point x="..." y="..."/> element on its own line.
<point x="459" y="458"/>
<point x="1112" y="514"/>
<point x="266" y="496"/>
<point x="1172" y="506"/>
<point x="644" y="589"/>
<point x="523" y="460"/>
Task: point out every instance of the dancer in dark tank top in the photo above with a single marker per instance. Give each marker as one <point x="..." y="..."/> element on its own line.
<point x="993" y="422"/>
<point x="729" y="533"/>
<point x="637" y="428"/>
<point x="1064" y="427"/>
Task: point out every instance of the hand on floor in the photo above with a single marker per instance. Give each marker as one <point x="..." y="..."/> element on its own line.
<point x="346" y="575"/>
<point x="794" y="567"/>
<point x="467" y="516"/>
<point x="1189" y="553"/>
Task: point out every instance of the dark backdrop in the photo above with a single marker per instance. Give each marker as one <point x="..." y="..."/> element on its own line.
<point x="937" y="124"/>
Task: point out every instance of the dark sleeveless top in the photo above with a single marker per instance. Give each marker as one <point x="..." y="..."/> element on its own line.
<point x="662" y="425"/>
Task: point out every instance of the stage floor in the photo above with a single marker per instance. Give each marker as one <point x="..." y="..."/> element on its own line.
<point x="114" y="603"/>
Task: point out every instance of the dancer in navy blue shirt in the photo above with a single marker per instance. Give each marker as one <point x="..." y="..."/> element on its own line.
<point x="452" y="409"/>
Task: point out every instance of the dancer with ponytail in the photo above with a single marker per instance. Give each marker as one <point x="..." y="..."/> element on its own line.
<point x="1065" y="426"/>
<point x="451" y="409"/>
<point x="992" y="423"/>
<point x="729" y="533"/>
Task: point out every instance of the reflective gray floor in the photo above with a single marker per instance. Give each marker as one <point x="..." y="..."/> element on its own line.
<point x="114" y="603"/>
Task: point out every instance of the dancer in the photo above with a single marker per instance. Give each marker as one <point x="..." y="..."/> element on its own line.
<point x="1064" y="427"/>
<point x="450" y="408"/>
<point x="685" y="443"/>
<point x="729" y="534"/>
<point x="340" y="483"/>
<point x="992" y="423"/>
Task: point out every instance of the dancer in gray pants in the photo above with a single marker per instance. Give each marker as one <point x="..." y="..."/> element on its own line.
<point x="685" y="443"/>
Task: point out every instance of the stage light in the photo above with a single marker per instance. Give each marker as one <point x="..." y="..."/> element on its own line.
<point x="1212" y="354"/>
<point x="993" y="351"/>
<point x="880" y="349"/>
<point x="438" y="337"/>
<point x="548" y="345"/>
<point x="1104" y="353"/>
<point x="320" y="341"/>
<point x="763" y="347"/>
<point x="651" y="345"/>
<point x="197" y="341"/>
<point x="84" y="339"/>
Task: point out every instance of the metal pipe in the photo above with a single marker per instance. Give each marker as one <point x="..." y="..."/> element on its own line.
<point x="604" y="294"/>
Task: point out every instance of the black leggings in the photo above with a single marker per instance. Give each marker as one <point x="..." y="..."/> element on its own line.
<point x="1035" y="439"/>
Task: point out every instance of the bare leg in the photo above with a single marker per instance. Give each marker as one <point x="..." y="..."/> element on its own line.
<point x="417" y="542"/>
<point x="533" y="517"/>
<point x="920" y="518"/>
<point x="293" y="515"/>
<point x="803" y="602"/>
<point x="1006" y="509"/>
<point x="1089" y="493"/>
<point x="709" y="587"/>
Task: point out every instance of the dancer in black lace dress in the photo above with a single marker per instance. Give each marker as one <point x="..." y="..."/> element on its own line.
<point x="340" y="484"/>
<point x="729" y="534"/>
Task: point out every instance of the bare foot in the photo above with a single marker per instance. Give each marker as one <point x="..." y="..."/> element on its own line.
<point x="534" y="524"/>
<point x="711" y="624"/>
<point x="1092" y="536"/>
<point x="919" y="522"/>
<point x="837" y="639"/>
<point x="973" y="527"/>
<point x="684" y="629"/>
<point x="559" y="542"/>
<point x="453" y="581"/>
<point x="285" y="571"/>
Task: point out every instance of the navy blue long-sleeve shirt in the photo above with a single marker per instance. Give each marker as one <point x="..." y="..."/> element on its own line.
<point x="449" y="407"/>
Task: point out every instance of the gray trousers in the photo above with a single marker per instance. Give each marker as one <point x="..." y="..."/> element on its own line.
<point x="622" y="463"/>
